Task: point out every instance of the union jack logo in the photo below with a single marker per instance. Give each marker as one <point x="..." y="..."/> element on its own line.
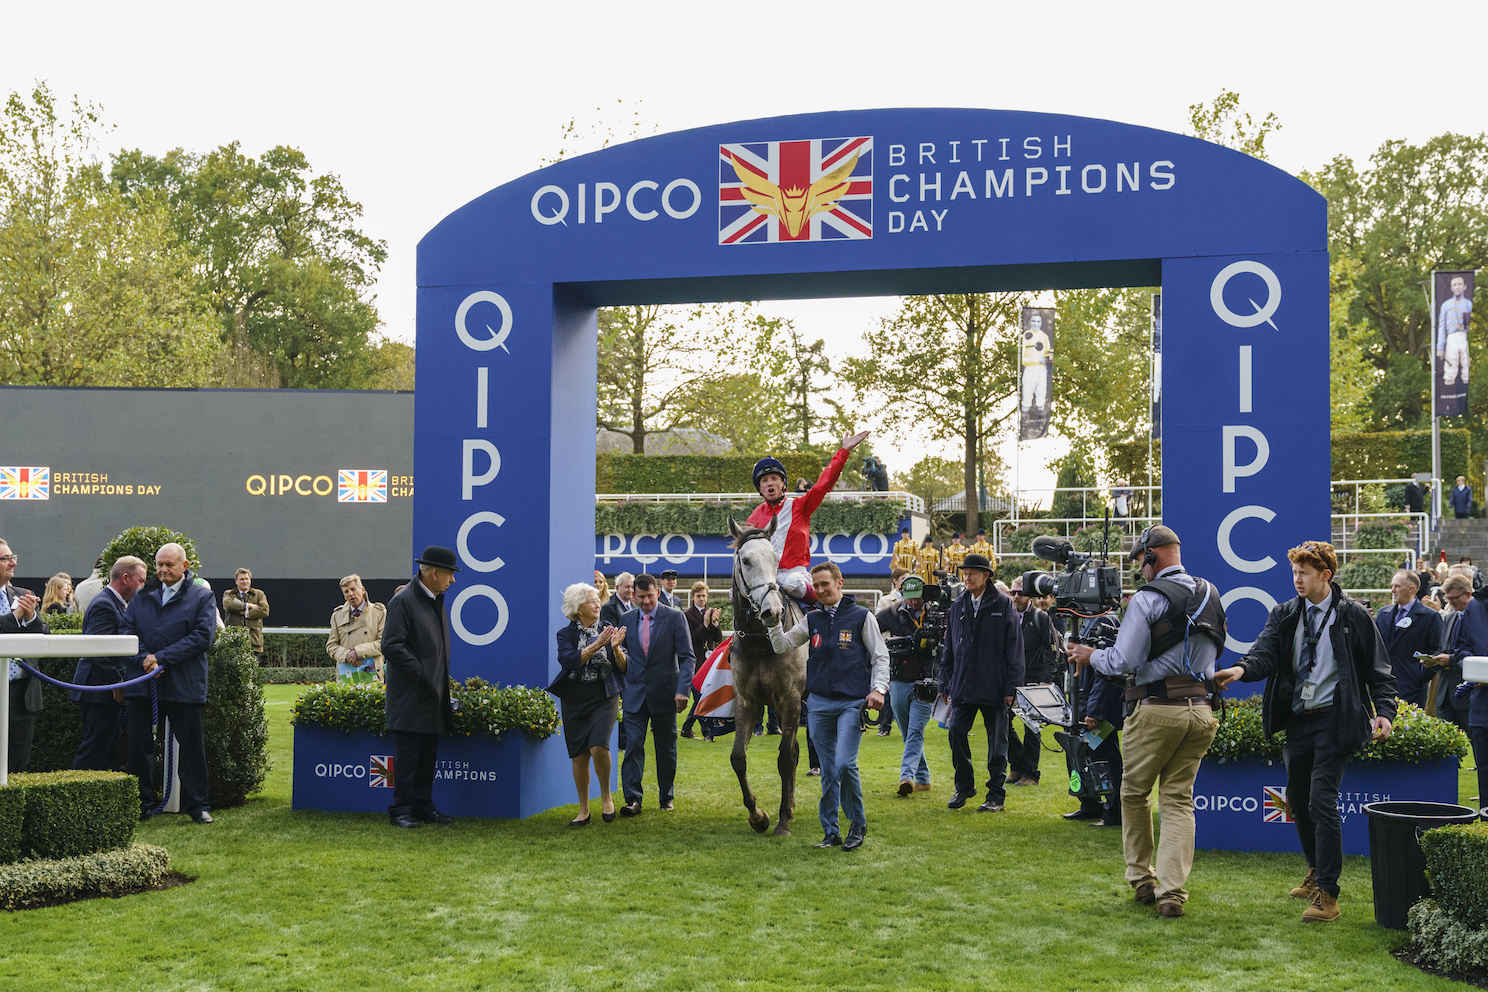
<point x="362" y="486"/>
<point x="25" y="483"/>
<point x="816" y="190"/>
<point x="1276" y="809"/>
<point x="380" y="774"/>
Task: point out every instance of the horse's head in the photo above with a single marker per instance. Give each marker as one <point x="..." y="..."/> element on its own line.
<point x="756" y="567"/>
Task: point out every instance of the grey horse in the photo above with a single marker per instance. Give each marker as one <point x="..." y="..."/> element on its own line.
<point x="761" y="676"/>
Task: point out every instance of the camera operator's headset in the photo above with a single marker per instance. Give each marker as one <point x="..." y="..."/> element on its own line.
<point x="1149" y="557"/>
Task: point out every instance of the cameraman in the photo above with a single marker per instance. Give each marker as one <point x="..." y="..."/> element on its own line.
<point x="909" y="664"/>
<point x="1172" y="724"/>
<point x="981" y="664"/>
<point x="1038" y="667"/>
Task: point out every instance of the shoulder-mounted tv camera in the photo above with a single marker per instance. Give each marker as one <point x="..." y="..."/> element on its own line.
<point x="1088" y="586"/>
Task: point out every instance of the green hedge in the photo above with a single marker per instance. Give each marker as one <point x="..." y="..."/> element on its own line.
<point x="28" y="884"/>
<point x="694" y="473"/>
<point x="296" y="651"/>
<point x="12" y="820"/>
<point x="234" y="720"/>
<point x="832" y="517"/>
<point x="1400" y="454"/>
<point x="1381" y="534"/>
<point x="1367" y="572"/>
<point x="1443" y="942"/>
<point x="1414" y="737"/>
<point x="296" y="676"/>
<point x="1457" y="865"/>
<point x="1019" y="540"/>
<point x="65" y="814"/>
<point x="483" y="708"/>
<point x="237" y="724"/>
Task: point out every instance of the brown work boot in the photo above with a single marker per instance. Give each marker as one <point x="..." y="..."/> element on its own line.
<point x="922" y="787"/>
<point x="1308" y="889"/>
<point x="1146" y="893"/>
<point x="1170" y="908"/>
<point x="905" y="787"/>
<point x="1324" y="908"/>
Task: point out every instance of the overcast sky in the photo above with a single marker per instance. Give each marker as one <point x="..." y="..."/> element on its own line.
<point x="420" y="108"/>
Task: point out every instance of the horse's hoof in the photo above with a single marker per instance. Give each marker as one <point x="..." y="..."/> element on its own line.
<point x="782" y="830"/>
<point x="760" y="822"/>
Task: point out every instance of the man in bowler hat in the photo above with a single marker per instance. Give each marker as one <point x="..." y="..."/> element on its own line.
<point x="415" y="652"/>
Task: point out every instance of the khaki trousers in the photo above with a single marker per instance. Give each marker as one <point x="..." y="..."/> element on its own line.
<point x="1162" y="743"/>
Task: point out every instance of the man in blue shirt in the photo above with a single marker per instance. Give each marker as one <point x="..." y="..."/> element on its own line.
<point x="1172" y="725"/>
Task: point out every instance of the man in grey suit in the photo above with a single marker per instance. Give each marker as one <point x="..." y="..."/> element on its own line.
<point x="19" y="614"/>
<point x="657" y="687"/>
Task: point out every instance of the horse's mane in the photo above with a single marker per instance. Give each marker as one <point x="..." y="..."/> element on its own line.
<point x="747" y="535"/>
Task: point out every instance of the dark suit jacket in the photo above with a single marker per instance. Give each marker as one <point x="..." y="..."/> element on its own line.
<point x="415" y="654"/>
<point x="179" y="635"/>
<point x="654" y="679"/>
<point x="613" y="610"/>
<point x="1038" y="646"/>
<point x="105" y="616"/>
<point x="27" y="685"/>
<point x="1422" y="633"/>
<point x="705" y="637"/>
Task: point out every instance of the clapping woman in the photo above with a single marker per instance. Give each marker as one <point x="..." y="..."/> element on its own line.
<point x="592" y="656"/>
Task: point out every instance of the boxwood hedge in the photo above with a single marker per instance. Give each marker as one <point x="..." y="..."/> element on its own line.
<point x="68" y="813"/>
<point x="31" y="883"/>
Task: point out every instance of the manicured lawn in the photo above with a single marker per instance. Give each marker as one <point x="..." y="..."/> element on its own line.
<point x="694" y="900"/>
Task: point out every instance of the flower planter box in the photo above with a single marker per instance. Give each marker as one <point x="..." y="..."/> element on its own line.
<point x="514" y="776"/>
<point x="1240" y="805"/>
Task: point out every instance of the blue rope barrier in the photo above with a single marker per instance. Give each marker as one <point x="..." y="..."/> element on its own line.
<point x="89" y="688"/>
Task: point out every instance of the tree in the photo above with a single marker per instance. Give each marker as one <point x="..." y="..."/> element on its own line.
<point x="942" y="368"/>
<point x="93" y="289"/>
<point x="1414" y="209"/>
<point x="1102" y="357"/>
<point x="795" y="364"/>
<point x="657" y="367"/>
<point x="276" y="251"/>
<point x="1224" y="123"/>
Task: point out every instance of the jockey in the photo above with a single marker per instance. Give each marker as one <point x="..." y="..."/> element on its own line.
<point x="792" y="515"/>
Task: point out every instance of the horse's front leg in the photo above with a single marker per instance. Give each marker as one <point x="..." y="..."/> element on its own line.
<point x="790" y="753"/>
<point x="744" y="716"/>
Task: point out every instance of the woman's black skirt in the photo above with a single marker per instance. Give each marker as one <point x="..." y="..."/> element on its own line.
<point x="588" y="720"/>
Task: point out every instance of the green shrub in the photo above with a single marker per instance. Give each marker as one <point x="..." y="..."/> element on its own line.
<point x="1443" y="942"/>
<point x="1367" y="572"/>
<point x="1019" y="540"/>
<point x="64" y="623"/>
<point x="27" y="884"/>
<point x="694" y="473"/>
<point x="69" y="813"/>
<point x="1381" y="534"/>
<point x="1414" y="737"/>
<point x="484" y="708"/>
<point x="296" y="676"/>
<point x="236" y="723"/>
<point x="295" y="651"/>
<point x="143" y="542"/>
<point x="712" y="517"/>
<point x="1457" y="865"/>
<point x="12" y="819"/>
<point x="1009" y="569"/>
<point x="1091" y="539"/>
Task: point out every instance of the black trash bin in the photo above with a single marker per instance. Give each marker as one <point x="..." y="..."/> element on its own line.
<point x="1396" y="862"/>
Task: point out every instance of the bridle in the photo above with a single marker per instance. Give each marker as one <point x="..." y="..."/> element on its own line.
<point x="752" y="595"/>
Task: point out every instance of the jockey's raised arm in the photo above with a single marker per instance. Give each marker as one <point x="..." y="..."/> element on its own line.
<point x="792" y="514"/>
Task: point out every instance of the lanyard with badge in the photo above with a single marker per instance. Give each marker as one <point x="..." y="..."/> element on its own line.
<point x="1310" y="639"/>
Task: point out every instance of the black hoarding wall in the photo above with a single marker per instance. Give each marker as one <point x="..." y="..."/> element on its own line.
<point x="301" y="486"/>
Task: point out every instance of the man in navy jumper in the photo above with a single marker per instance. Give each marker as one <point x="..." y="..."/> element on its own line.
<point x="847" y="670"/>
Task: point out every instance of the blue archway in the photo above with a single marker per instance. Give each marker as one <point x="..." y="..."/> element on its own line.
<point x="907" y="202"/>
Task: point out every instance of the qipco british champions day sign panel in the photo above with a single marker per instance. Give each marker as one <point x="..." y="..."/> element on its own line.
<point x="858" y="203"/>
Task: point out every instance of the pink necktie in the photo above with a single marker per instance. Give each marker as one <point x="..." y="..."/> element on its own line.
<point x="645" y="633"/>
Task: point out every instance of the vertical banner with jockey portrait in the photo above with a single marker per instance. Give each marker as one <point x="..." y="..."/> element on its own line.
<point x="1451" y="310"/>
<point x="1036" y="372"/>
<point x="1157" y="366"/>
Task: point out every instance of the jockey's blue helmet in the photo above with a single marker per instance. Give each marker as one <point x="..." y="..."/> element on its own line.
<point x="767" y="466"/>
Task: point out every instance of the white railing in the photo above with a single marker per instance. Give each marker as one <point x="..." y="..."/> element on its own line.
<point x="1359" y="483"/>
<point x="1421" y="521"/>
<point x="910" y="500"/>
<point x="1068" y="526"/>
<point x="1150" y="492"/>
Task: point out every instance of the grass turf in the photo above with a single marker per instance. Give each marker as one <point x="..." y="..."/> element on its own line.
<point x="694" y="900"/>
